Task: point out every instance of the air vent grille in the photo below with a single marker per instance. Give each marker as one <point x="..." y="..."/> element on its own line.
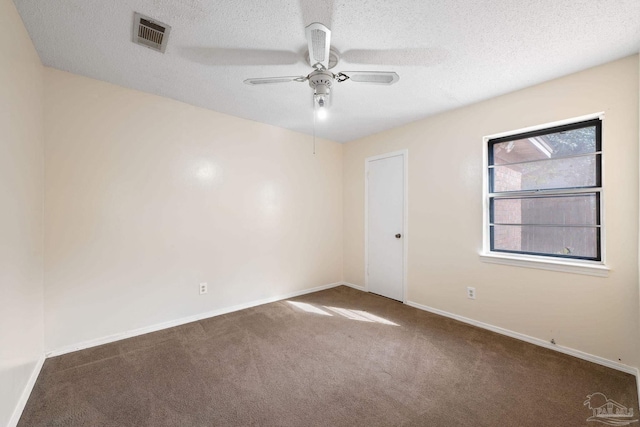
<point x="150" y="33"/>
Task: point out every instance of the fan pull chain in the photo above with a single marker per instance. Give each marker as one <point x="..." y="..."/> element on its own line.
<point x="314" y="130"/>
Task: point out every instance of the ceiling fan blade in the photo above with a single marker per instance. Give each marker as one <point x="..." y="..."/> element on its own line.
<point x="319" y="40"/>
<point x="270" y="80"/>
<point x="410" y="57"/>
<point x="372" y="77"/>
<point x="216" y="56"/>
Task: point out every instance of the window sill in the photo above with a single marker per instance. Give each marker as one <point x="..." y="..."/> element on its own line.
<point x="576" y="267"/>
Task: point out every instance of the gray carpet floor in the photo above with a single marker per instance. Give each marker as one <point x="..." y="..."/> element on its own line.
<point x="339" y="357"/>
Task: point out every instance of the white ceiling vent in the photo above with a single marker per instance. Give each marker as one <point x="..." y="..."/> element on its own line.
<point x="150" y="33"/>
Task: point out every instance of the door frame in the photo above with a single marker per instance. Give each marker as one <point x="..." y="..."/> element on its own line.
<point x="405" y="217"/>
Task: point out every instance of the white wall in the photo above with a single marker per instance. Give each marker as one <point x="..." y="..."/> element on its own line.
<point x="595" y="315"/>
<point x="21" y="199"/>
<point x="146" y="197"/>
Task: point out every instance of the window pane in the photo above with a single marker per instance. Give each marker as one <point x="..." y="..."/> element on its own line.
<point x="558" y="173"/>
<point x="580" y="242"/>
<point x="557" y="210"/>
<point x="549" y="146"/>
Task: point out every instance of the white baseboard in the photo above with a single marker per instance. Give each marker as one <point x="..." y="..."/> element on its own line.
<point x="177" y="322"/>
<point x="22" y="402"/>
<point x="358" y="287"/>
<point x="537" y="341"/>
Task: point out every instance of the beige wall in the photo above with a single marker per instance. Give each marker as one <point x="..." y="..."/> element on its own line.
<point x="146" y="197"/>
<point x="591" y="314"/>
<point x="21" y="195"/>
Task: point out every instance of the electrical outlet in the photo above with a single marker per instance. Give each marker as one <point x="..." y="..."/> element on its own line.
<point x="471" y="292"/>
<point x="203" y="288"/>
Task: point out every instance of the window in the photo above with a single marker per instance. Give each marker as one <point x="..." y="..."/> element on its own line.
<point x="544" y="192"/>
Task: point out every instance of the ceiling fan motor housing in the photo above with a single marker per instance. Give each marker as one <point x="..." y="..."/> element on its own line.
<point x="321" y="82"/>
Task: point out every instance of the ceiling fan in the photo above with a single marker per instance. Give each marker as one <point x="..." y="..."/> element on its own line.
<point x="322" y="58"/>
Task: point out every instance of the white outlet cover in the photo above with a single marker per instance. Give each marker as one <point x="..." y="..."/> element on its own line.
<point x="203" y="288"/>
<point x="471" y="292"/>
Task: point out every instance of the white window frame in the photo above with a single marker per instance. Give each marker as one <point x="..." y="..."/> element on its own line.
<point x="588" y="267"/>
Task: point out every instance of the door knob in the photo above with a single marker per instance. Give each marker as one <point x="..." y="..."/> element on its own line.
<point x="398" y="236"/>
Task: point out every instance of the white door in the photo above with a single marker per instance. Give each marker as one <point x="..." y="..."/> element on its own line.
<point x="385" y="225"/>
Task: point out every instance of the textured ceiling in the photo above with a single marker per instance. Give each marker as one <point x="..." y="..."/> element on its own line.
<point x="448" y="53"/>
